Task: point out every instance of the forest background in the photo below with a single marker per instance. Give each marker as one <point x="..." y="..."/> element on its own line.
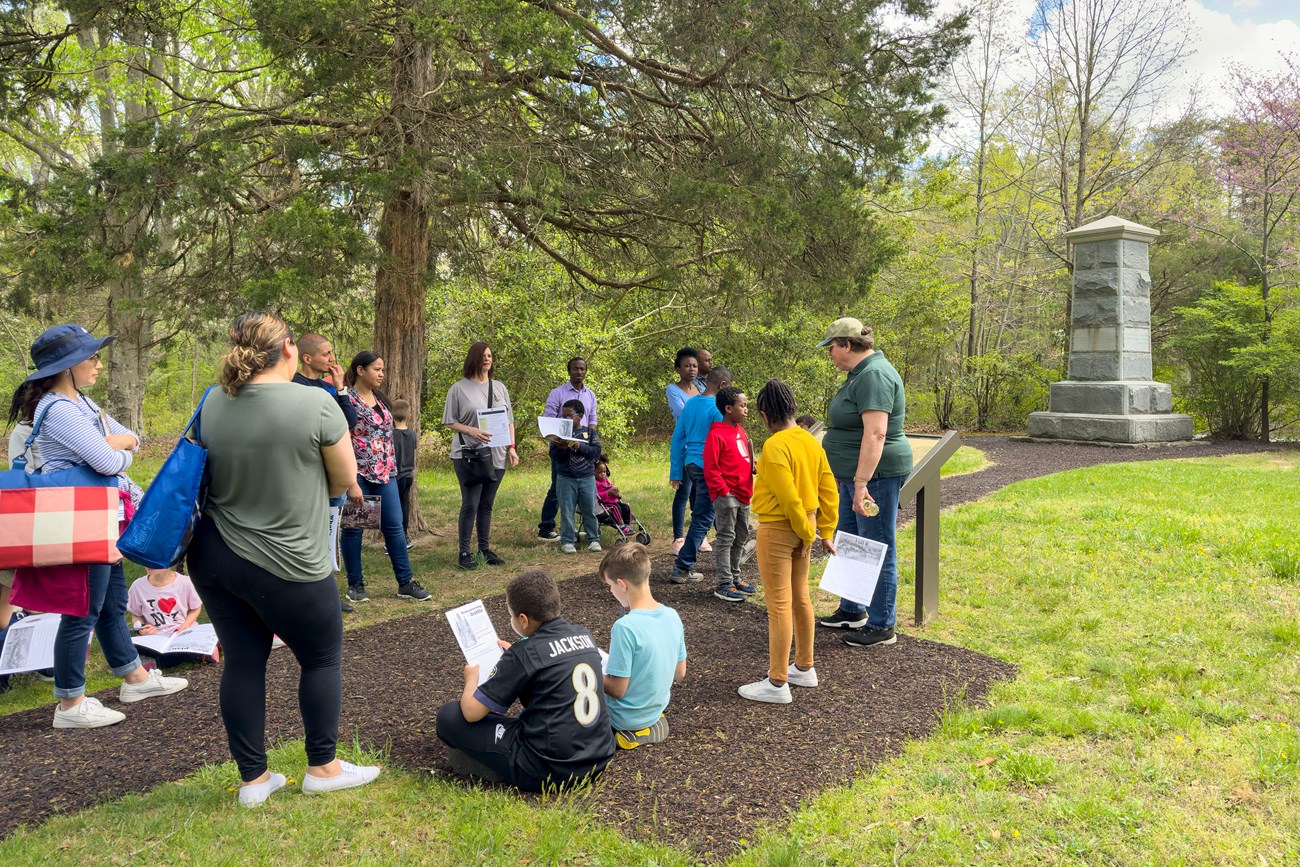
<point x="615" y="179"/>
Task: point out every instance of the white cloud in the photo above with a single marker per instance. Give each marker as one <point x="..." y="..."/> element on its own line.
<point x="1222" y="40"/>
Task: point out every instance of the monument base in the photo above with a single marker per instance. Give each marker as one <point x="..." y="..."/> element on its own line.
<point x="1162" y="428"/>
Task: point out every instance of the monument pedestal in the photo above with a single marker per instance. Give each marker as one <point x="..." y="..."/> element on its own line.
<point x="1119" y="429"/>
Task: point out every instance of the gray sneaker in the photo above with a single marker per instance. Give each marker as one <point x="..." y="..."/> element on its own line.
<point x="152" y="686"/>
<point x="679" y="576"/>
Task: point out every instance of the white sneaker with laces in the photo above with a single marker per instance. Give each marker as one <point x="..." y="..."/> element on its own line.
<point x="351" y="777"/>
<point x="154" y="685"/>
<point x="763" y="691"/>
<point x="795" y="677"/>
<point x="594" y="546"/>
<point x="252" y="796"/>
<point x="89" y="714"/>
<point x="568" y="548"/>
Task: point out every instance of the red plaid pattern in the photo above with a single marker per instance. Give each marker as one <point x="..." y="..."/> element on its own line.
<point x="58" y="526"/>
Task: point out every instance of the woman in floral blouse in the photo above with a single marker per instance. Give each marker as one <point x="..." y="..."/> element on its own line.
<point x="372" y="440"/>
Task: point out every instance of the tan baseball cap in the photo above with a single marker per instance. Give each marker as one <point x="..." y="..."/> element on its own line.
<point x="845" y="327"/>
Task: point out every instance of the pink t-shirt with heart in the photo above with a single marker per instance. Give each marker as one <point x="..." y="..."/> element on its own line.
<point x="164" y="608"/>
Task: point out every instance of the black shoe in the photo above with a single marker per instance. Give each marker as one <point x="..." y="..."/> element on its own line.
<point x="548" y="536"/>
<point x="868" y="637"/>
<point x="357" y="593"/>
<point x="841" y="619"/>
<point x="468" y="766"/>
<point x="412" y="590"/>
<point x="490" y="556"/>
<point x="467" y="561"/>
<point x="345" y="607"/>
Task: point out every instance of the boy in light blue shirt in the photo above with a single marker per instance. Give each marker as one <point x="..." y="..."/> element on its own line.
<point x="647" y="651"/>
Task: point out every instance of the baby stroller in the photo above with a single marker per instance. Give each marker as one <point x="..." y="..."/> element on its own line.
<point x="625" y="529"/>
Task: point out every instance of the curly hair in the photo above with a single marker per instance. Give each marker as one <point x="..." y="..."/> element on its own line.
<point x="256" y="344"/>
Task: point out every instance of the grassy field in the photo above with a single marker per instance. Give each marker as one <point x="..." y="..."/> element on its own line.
<point x="1153" y="609"/>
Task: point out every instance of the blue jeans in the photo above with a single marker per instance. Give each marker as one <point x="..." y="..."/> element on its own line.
<point x="390" y="524"/>
<point x="680" y="498"/>
<point x="106" y="615"/>
<point x="580" y="493"/>
<point x="881" y="528"/>
<point x="701" y="517"/>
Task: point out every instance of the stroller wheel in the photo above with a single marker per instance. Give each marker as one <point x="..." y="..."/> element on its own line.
<point x="643" y="537"/>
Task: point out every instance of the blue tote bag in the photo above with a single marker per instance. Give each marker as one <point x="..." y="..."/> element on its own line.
<point x="164" y="523"/>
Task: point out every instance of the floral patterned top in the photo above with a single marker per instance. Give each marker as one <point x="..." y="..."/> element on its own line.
<point x="372" y="440"/>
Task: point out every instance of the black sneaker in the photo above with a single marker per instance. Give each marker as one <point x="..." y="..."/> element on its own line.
<point x="412" y="590"/>
<point x="357" y="593"/>
<point x="868" y="637"/>
<point x="345" y="607"/>
<point x="841" y="619"/>
<point x="490" y="556"/>
<point x="467" y="561"/>
<point x="549" y="536"/>
<point x="467" y="766"/>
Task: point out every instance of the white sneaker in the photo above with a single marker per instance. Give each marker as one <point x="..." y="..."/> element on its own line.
<point x="89" y="714"/>
<point x="595" y="546"/>
<point x="677" y="544"/>
<point x="568" y="548"/>
<point x="251" y="796"/>
<point x="705" y="547"/>
<point x="763" y="690"/>
<point x="154" y="685"/>
<point x="351" y="777"/>
<point x="795" y="677"/>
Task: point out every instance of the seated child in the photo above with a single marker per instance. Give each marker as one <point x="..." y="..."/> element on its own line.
<point x="562" y="735"/>
<point x="611" y="498"/>
<point x="647" y="651"/>
<point x="163" y="600"/>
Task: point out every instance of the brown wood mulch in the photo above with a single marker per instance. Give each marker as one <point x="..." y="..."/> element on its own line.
<point x="729" y="766"/>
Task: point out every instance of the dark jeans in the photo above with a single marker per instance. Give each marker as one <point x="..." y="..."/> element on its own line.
<point x="680" y="499"/>
<point x="550" y="507"/>
<point x="107" y="617"/>
<point x="880" y="528"/>
<point x="390" y="524"/>
<point x="475" y="508"/>
<point x="247" y="606"/>
<point x="701" y="517"/>
<point x="404" y="500"/>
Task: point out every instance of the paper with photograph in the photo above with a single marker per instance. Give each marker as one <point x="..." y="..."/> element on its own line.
<point x="476" y="636"/>
<point x="496" y="421"/>
<point x="29" y="644"/>
<point x="557" y="429"/>
<point x="853" y="570"/>
<point x="200" y="639"/>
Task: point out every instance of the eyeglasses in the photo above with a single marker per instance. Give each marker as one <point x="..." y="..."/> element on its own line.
<point x="95" y="359"/>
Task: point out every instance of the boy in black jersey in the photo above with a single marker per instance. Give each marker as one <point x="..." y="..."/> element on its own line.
<point x="563" y="734"/>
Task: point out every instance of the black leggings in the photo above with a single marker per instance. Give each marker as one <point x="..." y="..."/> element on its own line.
<point x="475" y="507"/>
<point x="247" y="605"/>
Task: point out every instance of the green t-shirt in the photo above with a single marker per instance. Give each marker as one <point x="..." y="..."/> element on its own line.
<point x="269" y="495"/>
<point x="872" y="385"/>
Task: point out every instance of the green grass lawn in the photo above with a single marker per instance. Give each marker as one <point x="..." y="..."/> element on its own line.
<point x="1153" y="609"/>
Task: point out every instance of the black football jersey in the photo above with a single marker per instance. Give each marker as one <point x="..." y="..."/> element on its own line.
<point x="556" y="676"/>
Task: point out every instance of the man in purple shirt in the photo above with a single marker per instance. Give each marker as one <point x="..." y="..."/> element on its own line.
<point x="574" y="389"/>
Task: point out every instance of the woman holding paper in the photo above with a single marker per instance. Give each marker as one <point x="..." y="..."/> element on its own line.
<point x="260" y="558"/>
<point x="478" y="410"/>
<point x="870" y="457"/>
<point x="372" y="441"/>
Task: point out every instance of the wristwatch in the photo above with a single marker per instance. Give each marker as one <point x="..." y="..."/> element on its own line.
<point x="344" y="391"/>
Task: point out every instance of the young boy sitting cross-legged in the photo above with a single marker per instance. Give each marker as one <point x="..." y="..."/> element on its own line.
<point x="647" y="651"/>
<point x="563" y="733"/>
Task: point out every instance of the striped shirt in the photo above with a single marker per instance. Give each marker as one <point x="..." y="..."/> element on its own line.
<point x="70" y="434"/>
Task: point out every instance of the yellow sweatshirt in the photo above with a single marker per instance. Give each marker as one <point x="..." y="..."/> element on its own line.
<point x="794" y="479"/>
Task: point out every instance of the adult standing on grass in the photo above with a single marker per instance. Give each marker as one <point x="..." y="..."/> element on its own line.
<point x="574" y="389"/>
<point x="72" y="430"/>
<point x="372" y="440"/>
<point x="260" y="557"/>
<point x="871" y="458"/>
<point x="476" y="391"/>
<point x="687" y="365"/>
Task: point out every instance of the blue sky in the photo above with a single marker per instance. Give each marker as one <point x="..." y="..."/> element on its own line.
<point x="1260" y="11"/>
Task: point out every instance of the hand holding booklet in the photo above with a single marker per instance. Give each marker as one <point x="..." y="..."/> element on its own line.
<point x="476" y="636"/>
<point x="200" y="639"/>
<point x="853" y="570"/>
<point x="557" y="430"/>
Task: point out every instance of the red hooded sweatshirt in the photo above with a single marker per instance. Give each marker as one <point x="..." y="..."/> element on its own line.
<point x="729" y="462"/>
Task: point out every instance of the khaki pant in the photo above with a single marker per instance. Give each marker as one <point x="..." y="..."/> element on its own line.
<point x="783" y="561"/>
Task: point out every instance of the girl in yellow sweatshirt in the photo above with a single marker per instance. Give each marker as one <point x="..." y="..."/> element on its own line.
<point x="795" y="499"/>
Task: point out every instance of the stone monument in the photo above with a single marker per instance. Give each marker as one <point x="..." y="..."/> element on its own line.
<point x="1110" y="396"/>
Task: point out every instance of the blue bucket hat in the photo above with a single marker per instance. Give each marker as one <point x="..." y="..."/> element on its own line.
<point x="61" y="347"/>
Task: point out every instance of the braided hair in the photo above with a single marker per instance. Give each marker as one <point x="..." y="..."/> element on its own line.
<point x="776" y="401"/>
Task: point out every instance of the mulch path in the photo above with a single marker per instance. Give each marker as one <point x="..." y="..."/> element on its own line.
<point x="729" y="766"/>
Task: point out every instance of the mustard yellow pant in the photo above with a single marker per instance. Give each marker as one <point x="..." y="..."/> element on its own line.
<point x="783" y="561"/>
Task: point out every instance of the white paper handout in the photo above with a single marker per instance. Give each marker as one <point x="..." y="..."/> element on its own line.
<point x="476" y="636"/>
<point x="335" y="512"/>
<point x="200" y="639"/>
<point x="29" y="644"/>
<point x="853" y="570"/>
<point x="496" y="421"/>
<point x="557" y="429"/>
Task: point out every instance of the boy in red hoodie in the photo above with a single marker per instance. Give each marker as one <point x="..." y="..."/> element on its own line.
<point x="729" y="472"/>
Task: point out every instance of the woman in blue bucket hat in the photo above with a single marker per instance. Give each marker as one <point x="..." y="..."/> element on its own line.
<point x="74" y="430"/>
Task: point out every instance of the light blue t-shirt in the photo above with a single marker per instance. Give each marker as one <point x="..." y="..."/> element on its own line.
<point x="645" y="647"/>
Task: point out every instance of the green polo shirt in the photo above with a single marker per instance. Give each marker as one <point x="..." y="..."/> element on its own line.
<point x="872" y="385"/>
